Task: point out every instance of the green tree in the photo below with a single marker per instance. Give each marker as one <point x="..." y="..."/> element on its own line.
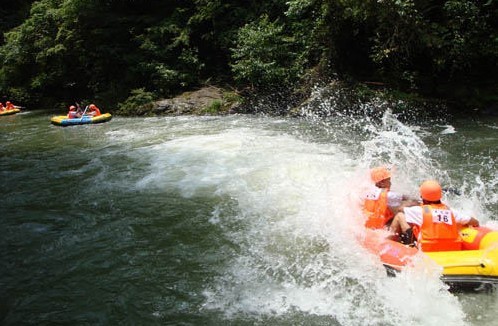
<point x="13" y="13"/>
<point x="67" y="50"/>
<point x="265" y="55"/>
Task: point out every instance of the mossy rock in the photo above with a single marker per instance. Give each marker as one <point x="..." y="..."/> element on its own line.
<point x="205" y="101"/>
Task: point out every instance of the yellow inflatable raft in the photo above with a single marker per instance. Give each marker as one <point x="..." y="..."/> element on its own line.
<point x="9" y="112"/>
<point x="63" y="120"/>
<point x="472" y="267"/>
<point x="476" y="263"/>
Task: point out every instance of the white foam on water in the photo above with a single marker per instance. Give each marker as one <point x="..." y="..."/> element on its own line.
<point x="448" y="129"/>
<point x="420" y="298"/>
<point x="288" y="203"/>
<point x="295" y="223"/>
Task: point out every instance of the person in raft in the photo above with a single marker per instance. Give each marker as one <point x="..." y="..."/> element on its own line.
<point x="9" y="106"/>
<point x="2" y="108"/>
<point x="433" y="225"/>
<point x="380" y="203"/>
<point x="73" y="113"/>
<point x="93" y="110"/>
<point x="76" y="112"/>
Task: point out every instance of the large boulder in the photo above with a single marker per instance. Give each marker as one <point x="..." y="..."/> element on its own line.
<point x="207" y="100"/>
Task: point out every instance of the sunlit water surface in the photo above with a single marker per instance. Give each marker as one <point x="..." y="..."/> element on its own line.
<point x="236" y="220"/>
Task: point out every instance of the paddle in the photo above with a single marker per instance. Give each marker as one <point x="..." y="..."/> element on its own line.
<point x="81" y="119"/>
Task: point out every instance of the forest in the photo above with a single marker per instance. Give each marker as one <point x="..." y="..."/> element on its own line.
<point x="55" y="52"/>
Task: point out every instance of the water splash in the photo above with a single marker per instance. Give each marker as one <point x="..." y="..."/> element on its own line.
<point x="285" y="203"/>
<point x="238" y="220"/>
<point x="284" y="196"/>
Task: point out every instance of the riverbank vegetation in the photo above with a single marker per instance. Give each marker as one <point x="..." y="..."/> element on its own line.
<point x="118" y="53"/>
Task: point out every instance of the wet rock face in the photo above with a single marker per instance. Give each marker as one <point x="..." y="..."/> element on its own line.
<point x="189" y="103"/>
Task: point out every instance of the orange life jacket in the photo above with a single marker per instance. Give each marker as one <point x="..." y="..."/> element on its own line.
<point x="439" y="230"/>
<point x="95" y="111"/>
<point x="376" y="210"/>
<point x="72" y="114"/>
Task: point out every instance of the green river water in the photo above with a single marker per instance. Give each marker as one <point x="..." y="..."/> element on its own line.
<point x="236" y="220"/>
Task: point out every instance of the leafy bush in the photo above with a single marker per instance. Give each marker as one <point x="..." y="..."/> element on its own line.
<point x="214" y="107"/>
<point x="139" y="102"/>
<point x="263" y="56"/>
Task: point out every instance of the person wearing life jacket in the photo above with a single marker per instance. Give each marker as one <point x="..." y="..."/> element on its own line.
<point x="72" y="114"/>
<point x="2" y="108"/>
<point x="380" y="203"/>
<point x="93" y="110"/>
<point x="9" y="106"/>
<point x="433" y="225"/>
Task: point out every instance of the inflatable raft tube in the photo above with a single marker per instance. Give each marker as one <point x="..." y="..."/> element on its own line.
<point x="475" y="266"/>
<point x="64" y="121"/>
<point x="10" y="112"/>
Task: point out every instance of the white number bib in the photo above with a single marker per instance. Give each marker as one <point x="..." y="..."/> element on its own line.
<point x="442" y="216"/>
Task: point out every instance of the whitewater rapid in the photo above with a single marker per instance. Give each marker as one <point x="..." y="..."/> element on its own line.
<point x="287" y="205"/>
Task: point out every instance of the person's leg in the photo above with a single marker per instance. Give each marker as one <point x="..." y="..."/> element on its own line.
<point x="398" y="224"/>
<point x="401" y="227"/>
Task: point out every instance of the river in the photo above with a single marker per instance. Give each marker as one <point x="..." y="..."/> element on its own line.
<point x="233" y="220"/>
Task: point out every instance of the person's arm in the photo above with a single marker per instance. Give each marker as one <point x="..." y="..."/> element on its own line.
<point x="473" y="222"/>
<point x="397" y="202"/>
<point x="465" y="219"/>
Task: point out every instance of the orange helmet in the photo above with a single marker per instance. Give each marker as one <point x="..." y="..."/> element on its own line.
<point x="92" y="106"/>
<point x="380" y="173"/>
<point x="7" y="102"/>
<point x="431" y="190"/>
<point x="72" y="107"/>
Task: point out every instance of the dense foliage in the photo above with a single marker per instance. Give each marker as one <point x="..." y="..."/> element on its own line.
<point x="61" y="51"/>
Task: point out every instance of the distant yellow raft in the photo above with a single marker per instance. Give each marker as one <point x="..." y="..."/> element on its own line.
<point x="9" y="112"/>
<point x="63" y="120"/>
